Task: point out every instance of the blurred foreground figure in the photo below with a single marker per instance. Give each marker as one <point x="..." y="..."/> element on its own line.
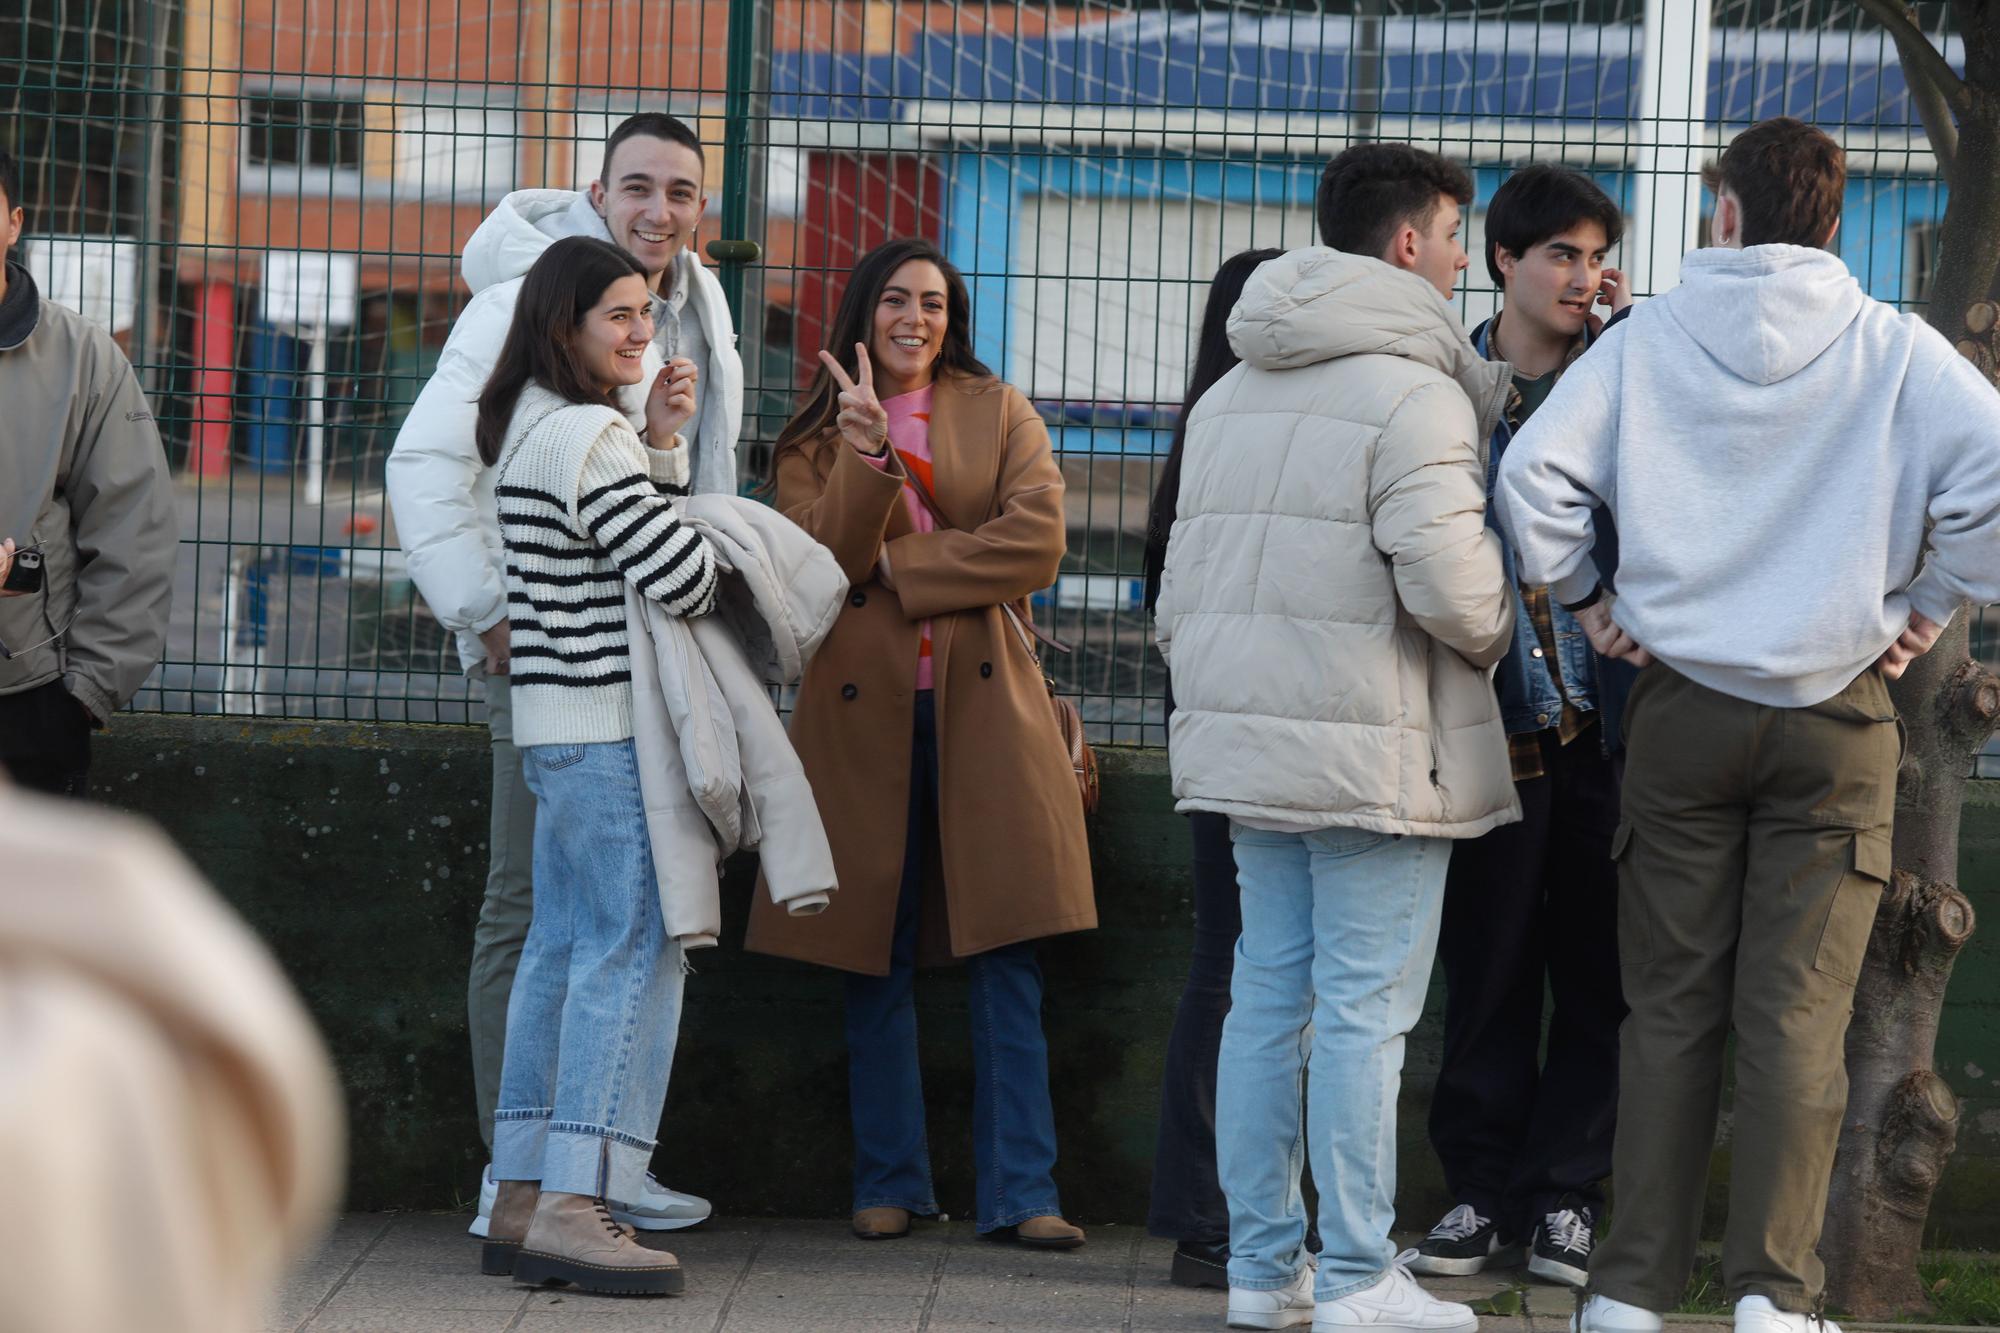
<point x="151" y="1054"/>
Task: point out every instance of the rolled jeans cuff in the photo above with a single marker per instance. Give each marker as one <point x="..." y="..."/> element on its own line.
<point x="595" y="1161"/>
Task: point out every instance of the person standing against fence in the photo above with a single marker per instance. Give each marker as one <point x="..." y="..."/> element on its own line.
<point x="925" y="728"/>
<point x="1331" y="601"/>
<point x="1187" y="1204"/>
<point x="649" y="199"/>
<point x="586" y="507"/>
<point x="86" y="501"/>
<point x="1777" y="450"/>
<point x="1525" y="1134"/>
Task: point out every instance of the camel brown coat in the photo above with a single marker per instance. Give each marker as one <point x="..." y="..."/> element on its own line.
<point x="1012" y="863"/>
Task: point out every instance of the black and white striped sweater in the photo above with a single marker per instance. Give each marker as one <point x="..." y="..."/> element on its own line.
<point x="584" y="507"/>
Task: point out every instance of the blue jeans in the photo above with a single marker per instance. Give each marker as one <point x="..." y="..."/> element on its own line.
<point x="1013" y="1121"/>
<point x="1340" y="927"/>
<point x="596" y="1005"/>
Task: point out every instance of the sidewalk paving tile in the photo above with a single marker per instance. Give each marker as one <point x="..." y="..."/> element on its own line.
<point x="411" y="1321"/>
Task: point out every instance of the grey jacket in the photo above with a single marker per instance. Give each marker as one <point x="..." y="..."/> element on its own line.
<point x="83" y="477"/>
<point x="1332" y="595"/>
<point x="716" y="770"/>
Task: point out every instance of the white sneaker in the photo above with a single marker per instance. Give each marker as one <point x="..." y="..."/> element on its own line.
<point x="1756" y="1314"/>
<point x="1282" y="1307"/>
<point x="1396" y="1304"/>
<point x="1601" y="1314"/>
<point x="660" y="1209"/>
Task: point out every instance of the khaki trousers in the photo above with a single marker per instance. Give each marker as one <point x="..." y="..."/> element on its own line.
<point x="507" y="908"/>
<point x="1752" y="852"/>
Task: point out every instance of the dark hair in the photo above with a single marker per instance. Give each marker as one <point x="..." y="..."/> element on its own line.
<point x="1213" y="358"/>
<point x="1540" y="202"/>
<point x="651" y="125"/>
<point x="855" y="322"/>
<point x="1788" y="176"/>
<point x="564" y="285"/>
<point x="10" y="179"/>
<point x="1371" y="189"/>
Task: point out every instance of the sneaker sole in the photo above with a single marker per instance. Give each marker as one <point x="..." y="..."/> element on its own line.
<point x="1276" y="1319"/>
<point x="1555" y="1270"/>
<point x="496" y="1257"/>
<point x="641" y="1222"/>
<point x="540" y="1270"/>
<point x="1467" y="1325"/>
<point x="1432" y="1265"/>
<point x="1188" y="1271"/>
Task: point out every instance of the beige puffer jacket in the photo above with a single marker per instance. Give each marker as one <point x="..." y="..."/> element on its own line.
<point x="1332" y="597"/>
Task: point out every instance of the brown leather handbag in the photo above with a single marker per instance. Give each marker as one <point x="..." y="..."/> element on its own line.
<point x="1069" y="722"/>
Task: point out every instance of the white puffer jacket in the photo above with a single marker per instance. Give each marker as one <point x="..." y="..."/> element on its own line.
<point x="446" y="517"/>
<point x="1332" y="596"/>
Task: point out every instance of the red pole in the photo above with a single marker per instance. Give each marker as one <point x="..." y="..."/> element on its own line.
<point x="214" y="369"/>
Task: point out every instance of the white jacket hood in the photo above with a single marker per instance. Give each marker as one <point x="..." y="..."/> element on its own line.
<point x="1318" y="304"/>
<point x="1765" y="312"/>
<point x="507" y="244"/>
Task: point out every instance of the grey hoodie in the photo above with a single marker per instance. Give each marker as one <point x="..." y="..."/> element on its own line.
<point x="1770" y="442"/>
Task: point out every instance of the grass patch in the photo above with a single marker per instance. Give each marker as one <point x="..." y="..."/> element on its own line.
<point x="1963" y="1291"/>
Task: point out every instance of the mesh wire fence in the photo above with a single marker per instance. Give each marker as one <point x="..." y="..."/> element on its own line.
<point x="266" y="201"/>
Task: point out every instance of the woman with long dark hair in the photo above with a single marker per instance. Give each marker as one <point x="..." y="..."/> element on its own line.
<point x="1188" y="1206"/>
<point x="925" y="729"/>
<point x="586" y="508"/>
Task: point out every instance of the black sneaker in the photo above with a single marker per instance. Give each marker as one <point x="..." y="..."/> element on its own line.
<point x="1561" y="1247"/>
<point x="1463" y="1242"/>
<point x="1197" y="1264"/>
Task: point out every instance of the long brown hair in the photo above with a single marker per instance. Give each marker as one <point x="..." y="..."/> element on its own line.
<point x="854" y="323"/>
<point x="564" y="285"/>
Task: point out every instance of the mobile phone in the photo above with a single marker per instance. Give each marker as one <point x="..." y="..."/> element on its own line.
<point x="25" y="574"/>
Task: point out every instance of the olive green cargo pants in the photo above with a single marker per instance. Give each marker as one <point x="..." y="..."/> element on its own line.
<point x="1752" y="851"/>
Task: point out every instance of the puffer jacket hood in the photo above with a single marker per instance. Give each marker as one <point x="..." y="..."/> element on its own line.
<point x="1319" y="304"/>
<point x="1765" y="312"/>
<point x="512" y="237"/>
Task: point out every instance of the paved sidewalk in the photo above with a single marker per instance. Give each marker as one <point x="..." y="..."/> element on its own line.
<point x="419" y="1273"/>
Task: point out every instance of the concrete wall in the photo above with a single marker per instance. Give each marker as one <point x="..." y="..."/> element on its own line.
<point x="359" y="853"/>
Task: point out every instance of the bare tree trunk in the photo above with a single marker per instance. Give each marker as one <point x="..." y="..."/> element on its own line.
<point x="1902" y="1119"/>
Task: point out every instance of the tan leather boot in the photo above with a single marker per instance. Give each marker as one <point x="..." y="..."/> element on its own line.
<point x="513" y="1209"/>
<point x="882" y="1223"/>
<point x="572" y="1239"/>
<point x="1049" y="1233"/>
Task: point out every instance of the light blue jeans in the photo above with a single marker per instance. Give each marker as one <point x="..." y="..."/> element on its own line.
<point x="596" y="1006"/>
<point x="1339" y="931"/>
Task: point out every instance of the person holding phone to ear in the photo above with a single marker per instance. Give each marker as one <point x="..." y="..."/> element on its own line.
<point x="924" y="726"/>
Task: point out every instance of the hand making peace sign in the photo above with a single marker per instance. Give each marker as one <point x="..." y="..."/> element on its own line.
<point x="863" y="421"/>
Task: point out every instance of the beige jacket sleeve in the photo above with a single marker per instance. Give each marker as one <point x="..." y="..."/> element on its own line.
<point x="126" y="534"/>
<point x="1427" y="506"/>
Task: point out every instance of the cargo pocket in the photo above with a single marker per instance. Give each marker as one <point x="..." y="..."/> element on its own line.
<point x="1850" y="917"/>
<point x="1635" y="923"/>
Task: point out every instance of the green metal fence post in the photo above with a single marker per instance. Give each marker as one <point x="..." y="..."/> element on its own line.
<point x="735" y="250"/>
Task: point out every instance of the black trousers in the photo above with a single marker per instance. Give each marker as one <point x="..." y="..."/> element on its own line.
<point x="1528" y="905"/>
<point x="1187" y="1196"/>
<point x="45" y="740"/>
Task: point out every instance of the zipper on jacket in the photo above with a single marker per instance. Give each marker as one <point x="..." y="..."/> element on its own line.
<point x="1434" y="762"/>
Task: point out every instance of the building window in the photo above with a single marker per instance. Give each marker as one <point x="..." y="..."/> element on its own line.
<point x="304" y="132"/>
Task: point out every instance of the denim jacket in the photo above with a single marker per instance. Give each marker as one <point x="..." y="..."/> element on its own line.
<point x="1529" y="697"/>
